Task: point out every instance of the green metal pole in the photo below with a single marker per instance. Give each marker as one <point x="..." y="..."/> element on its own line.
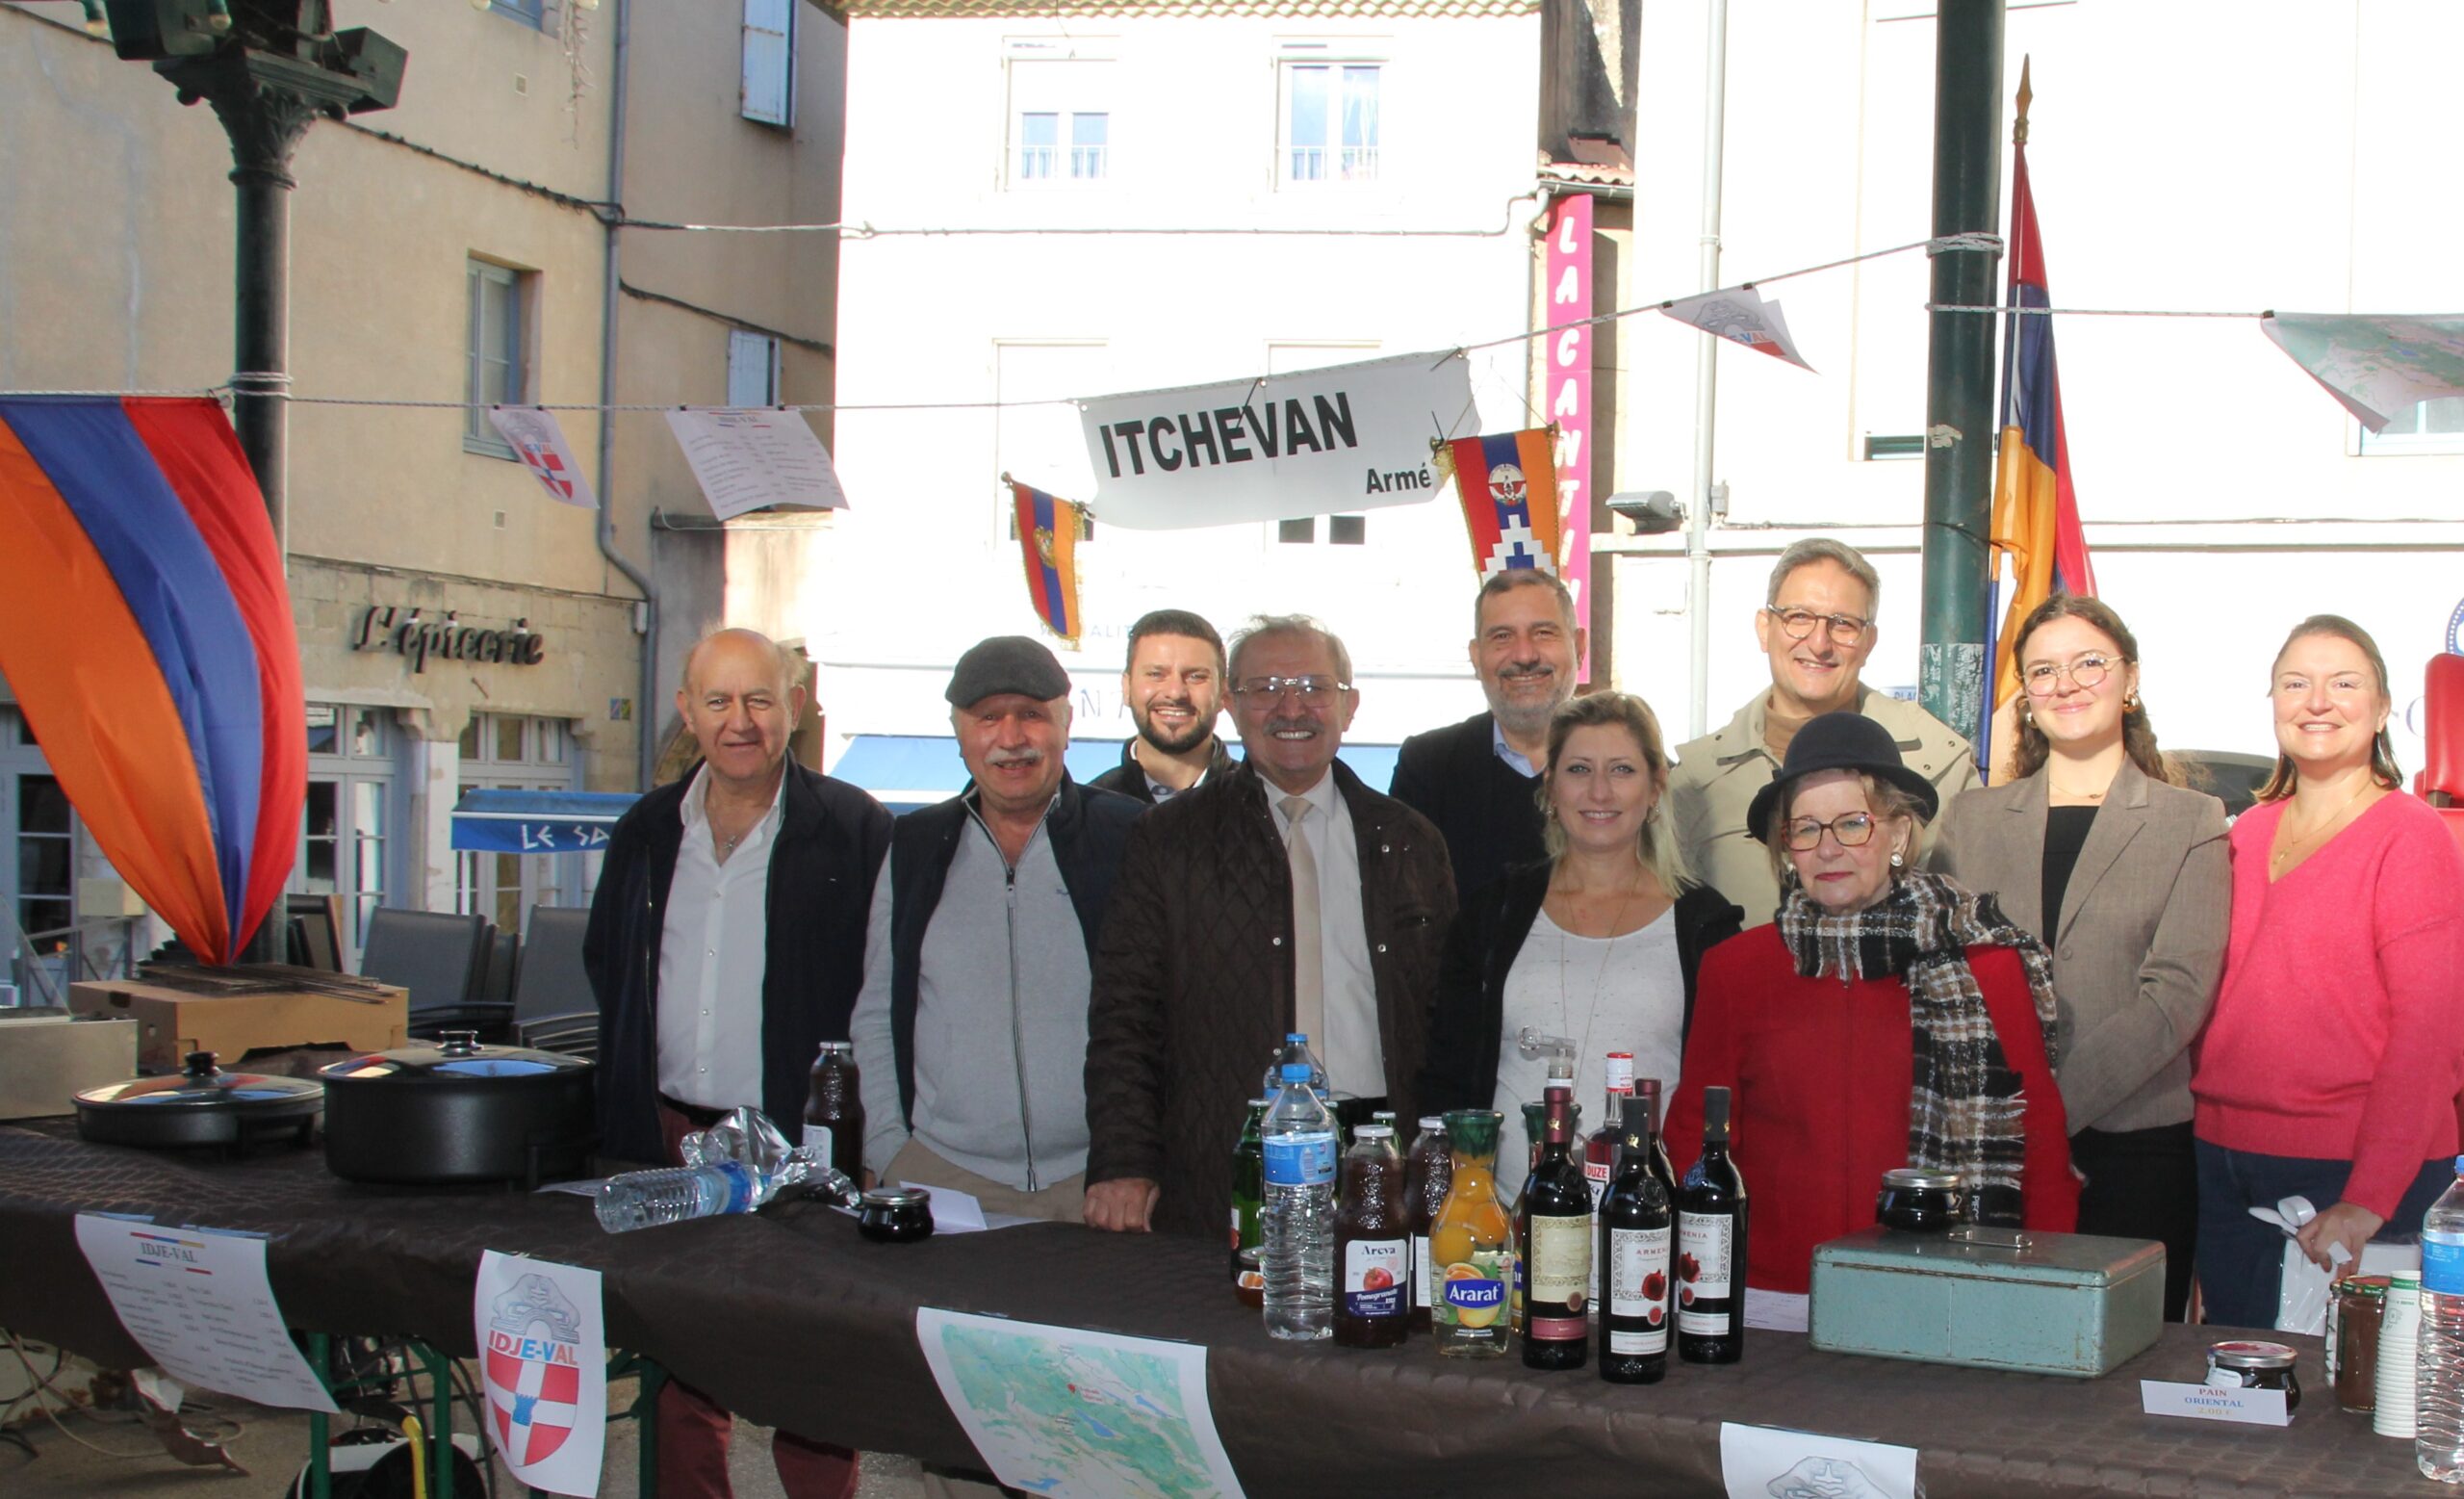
<point x="321" y="1472"/>
<point x="440" y="1431"/>
<point x="1958" y="366"/>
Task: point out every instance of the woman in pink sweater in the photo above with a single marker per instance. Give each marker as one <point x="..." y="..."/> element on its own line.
<point x="2330" y="1066"/>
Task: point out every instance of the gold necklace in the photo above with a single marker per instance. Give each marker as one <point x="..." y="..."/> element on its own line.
<point x="2288" y="850"/>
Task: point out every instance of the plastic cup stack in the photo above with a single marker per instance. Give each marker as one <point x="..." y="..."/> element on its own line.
<point x="2398" y="1339"/>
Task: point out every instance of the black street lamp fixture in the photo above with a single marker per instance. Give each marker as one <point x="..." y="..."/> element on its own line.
<point x="270" y="68"/>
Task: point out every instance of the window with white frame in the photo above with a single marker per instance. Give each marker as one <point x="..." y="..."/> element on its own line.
<point x="752" y="369"/>
<point x="512" y="752"/>
<point x="769" y="93"/>
<point x="2431" y="426"/>
<point x="498" y="343"/>
<point x="345" y="826"/>
<point x="1060" y="120"/>
<point x="1330" y="128"/>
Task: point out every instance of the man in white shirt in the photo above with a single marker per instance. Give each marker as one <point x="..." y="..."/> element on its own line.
<point x="726" y="943"/>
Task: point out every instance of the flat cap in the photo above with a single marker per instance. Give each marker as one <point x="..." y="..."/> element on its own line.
<point x="1007" y="664"/>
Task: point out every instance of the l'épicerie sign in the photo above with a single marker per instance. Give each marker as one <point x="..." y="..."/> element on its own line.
<point x="417" y="635"/>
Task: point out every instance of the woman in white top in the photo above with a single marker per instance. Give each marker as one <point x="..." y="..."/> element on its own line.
<point x="1597" y="945"/>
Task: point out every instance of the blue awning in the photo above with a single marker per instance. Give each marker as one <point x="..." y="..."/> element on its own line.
<point x="537" y="822"/>
<point x="905" y="771"/>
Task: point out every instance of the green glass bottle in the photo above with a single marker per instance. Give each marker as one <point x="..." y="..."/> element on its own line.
<point x="1249" y="1193"/>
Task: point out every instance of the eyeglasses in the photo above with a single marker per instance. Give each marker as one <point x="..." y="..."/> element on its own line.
<point x="2085" y="671"/>
<point x="1307" y="689"/>
<point x="1850" y="830"/>
<point x="1844" y="628"/>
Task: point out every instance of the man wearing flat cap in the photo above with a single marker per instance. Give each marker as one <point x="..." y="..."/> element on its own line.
<point x="971" y="1029"/>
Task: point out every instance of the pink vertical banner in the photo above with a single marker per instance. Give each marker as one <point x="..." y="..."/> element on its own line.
<point x="1567" y="359"/>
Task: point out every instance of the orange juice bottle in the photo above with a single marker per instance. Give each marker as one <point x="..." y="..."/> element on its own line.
<point x="1471" y="1245"/>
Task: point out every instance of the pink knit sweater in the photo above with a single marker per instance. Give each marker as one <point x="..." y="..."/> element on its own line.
<point x="2338" y="1031"/>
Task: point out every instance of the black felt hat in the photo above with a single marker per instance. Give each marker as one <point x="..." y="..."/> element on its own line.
<point x="1007" y="664"/>
<point x="1844" y="741"/>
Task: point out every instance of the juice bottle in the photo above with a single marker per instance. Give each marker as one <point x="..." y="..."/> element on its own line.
<point x="1471" y="1245"/>
<point x="1427" y="1175"/>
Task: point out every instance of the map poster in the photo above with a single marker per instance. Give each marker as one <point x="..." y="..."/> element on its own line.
<point x="1066" y="1411"/>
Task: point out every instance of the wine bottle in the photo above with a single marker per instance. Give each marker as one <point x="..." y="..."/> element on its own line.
<point x="1636" y="1224"/>
<point x="1557" y="1244"/>
<point x="1711" y="1246"/>
<point x="1599" y="1147"/>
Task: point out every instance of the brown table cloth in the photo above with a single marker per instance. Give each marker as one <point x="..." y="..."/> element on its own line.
<point x="791" y="1319"/>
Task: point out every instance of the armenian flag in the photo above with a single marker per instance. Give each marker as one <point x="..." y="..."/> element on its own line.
<point x="1048" y="539"/>
<point x="146" y="629"/>
<point x="1508" y="485"/>
<point x="2036" y="516"/>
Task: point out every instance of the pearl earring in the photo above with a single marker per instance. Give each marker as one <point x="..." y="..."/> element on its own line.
<point x="1896" y="860"/>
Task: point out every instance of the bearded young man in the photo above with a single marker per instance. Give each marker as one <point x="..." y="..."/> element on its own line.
<point x="1173" y="684"/>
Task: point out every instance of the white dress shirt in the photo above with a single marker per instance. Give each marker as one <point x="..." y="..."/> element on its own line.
<point x="1353" y="1051"/>
<point x="714" y="950"/>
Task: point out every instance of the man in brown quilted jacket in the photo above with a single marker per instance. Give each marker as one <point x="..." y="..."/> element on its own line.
<point x="1195" y="980"/>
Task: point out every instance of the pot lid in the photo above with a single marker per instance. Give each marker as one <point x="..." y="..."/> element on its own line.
<point x="454" y="1056"/>
<point x="2250" y="1355"/>
<point x="1906" y="1177"/>
<point x="202" y="1085"/>
<point x="897" y="1197"/>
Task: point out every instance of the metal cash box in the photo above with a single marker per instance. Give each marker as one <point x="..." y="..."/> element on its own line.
<point x="2068" y="1304"/>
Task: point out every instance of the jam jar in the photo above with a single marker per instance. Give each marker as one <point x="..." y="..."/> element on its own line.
<point x="1916" y="1200"/>
<point x="896" y="1215"/>
<point x="2254" y="1365"/>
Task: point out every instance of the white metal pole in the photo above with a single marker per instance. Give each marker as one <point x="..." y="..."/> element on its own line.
<point x="1707" y="374"/>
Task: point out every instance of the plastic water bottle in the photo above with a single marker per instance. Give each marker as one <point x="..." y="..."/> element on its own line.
<point x="2438" y="1394"/>
<point x="1298" y="1241"/>
<point x="1295" y="1048"/>
<point x="647" y="1199"/>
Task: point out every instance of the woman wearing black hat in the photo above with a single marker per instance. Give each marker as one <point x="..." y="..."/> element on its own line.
<point x="1888" y="1017"/>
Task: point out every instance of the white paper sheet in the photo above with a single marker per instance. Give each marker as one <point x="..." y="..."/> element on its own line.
<point x="1066" y="1411"/>
<point x="539" y="441"/>
<point x="1741" y="317"/>
<point x="1772" y="1463"/>
<point x="2206" y="1403"/>
<point x="197" y="1301"/>
<point x="1778" y="1311"/>
<point x="745" y="459"/>
<point x="2375" y="367"/>
<point x="543" y="1360"/>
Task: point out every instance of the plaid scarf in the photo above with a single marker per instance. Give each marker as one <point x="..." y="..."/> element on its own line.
<point x="1965" y="1110"/>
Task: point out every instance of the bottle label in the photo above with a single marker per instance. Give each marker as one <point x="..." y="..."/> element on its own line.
<point x="1595" y="1175"/>
<point x="1654" y="1341"/>
<point x="816" y="1139"/>
<point x="1560" y="1260"/>
<point x="739" y="1184"/>
<point x="1472" y="1291"/>
<point x="1638" y="1284"/>
<point x="1420" y="1272"/>
<point x="1236" y="1227"/>
<point x="1301" y="1160"/>
<point x="1375" y="1271"/>
<point x="2443" y="1261"/>
<point x="1703" y="1272"/>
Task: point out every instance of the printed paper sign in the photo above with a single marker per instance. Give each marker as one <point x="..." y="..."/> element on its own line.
<point x="543" y="1358"/>
<point x="1771" y="1463"/>
<point x="1340" y="439"/>
<point x="1741" y="317"/>
<point x="2375" y="367"/>
<point x="540" y="443"/>
<point x="745" y="459"/>
<point x="197" y="1301"/>
<point x="1065" y="1411"/>
<point x="2206" y="1403"/>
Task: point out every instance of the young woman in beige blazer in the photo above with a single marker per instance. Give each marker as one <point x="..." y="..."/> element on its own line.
<point x="2098" y="849"/>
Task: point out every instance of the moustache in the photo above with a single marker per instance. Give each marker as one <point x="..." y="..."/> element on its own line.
<point x="1519" y="671"/>
<point x="1017" y="756"/>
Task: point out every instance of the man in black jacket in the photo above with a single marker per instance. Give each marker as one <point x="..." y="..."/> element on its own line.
<point x="1174" y="685"/>
<point x="1476" y="779"/>
<point x="726" y="943"/>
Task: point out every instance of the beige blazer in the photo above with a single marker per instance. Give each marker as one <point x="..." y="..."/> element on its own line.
<point x="2143" y="925"/>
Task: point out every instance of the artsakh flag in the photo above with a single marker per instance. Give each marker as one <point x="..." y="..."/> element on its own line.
<point x="2035" y="517"/>
<point x="1048" y="539"/>
<point x="1508" y="486"/>
<point x="146" y="629"/>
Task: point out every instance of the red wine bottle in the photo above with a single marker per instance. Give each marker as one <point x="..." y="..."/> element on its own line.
<point x="1635" y="1228"/>
<point x="1711" y="1246"/>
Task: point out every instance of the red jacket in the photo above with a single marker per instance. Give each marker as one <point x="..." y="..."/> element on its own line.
<point x="1820" y="1073"/>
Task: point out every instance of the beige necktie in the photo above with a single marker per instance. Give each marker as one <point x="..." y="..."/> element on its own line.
<point x="1308" y="969"/>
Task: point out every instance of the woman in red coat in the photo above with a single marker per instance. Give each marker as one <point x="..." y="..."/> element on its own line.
<point x="1888" y="1017"/>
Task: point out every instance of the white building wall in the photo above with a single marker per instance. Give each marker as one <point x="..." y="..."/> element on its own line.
<point x="1435" y="254"/>
<point x="2275" y="155"/>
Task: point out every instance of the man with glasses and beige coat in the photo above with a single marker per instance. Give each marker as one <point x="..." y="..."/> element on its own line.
<point x="1817" y="627"/>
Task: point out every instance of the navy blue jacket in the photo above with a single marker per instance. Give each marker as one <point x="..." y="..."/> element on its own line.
<point x="831" y="839"/>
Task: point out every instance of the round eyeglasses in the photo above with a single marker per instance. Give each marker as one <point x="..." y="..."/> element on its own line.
<point x="2041" y="678"/>
<point x="1849" y="830"/>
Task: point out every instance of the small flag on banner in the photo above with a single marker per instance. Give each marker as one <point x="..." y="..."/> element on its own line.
<point x="1508" y="486"/>
<point x="1740" y="316"/>
<point x="1048" y="539"/>
<point x="540" y="442"/>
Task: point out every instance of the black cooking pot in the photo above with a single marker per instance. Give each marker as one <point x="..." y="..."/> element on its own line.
<point x="456" y="1111"/>
<point x="200" y="1105"/>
